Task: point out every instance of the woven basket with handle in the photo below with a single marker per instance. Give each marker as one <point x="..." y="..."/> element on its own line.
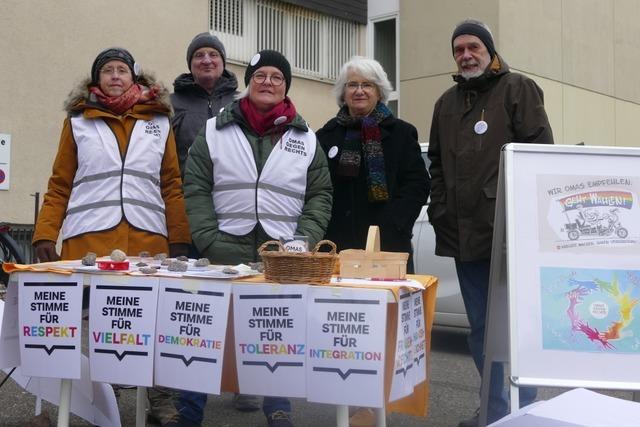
<point x="298" y="267"/>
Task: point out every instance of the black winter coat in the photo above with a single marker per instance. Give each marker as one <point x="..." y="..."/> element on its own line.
<point x="193" y="106"/>
<point x="407" y="181"/>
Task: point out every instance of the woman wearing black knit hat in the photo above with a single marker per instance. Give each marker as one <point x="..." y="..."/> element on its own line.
<point x="115" y="181"/>
<point x="256" y="173"/>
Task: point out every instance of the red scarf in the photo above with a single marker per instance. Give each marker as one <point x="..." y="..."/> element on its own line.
<point x="262" y="123"/>
<point x="119" y="104"/>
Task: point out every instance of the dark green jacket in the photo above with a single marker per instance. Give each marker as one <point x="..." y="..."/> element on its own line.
<point x="224" y="248"/>
<point x="465" y="163"/>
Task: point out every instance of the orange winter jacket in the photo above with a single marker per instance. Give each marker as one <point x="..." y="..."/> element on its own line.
<point x="123" y="236"/>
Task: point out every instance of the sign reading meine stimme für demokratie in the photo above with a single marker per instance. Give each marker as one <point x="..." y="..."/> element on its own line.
<point x="190" y="333"/>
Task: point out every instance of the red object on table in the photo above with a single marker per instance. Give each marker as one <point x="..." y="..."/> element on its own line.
<point x="113" y="265"/>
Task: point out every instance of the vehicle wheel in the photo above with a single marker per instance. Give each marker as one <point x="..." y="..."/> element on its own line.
<point x="622" y="233"/>
<point x="573" y="235"/>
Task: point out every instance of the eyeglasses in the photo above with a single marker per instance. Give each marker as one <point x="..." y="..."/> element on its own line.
<point x="275" y="79"/>
<point x="365" y="86"/>
<point x="115" y="70"/>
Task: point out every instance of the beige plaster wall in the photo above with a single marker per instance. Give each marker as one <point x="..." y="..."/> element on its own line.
<point x="583" y="53"/>
<point x="48" y="46"/>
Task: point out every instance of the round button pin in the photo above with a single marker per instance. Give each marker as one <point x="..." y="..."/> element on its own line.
<point x="333" y="151"/>
<point x="279" y="120"/>
<point x="480" y="127"/>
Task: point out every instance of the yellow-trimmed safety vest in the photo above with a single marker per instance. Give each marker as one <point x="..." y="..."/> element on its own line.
<point x="241" y="198"/>
<point x="106" y="186"/>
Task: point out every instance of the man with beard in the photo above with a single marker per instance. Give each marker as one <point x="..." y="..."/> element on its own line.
<point x="488" y="107"/>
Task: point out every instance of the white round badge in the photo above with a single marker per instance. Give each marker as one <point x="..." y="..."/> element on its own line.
<point x="255" y="59"/>
<point x="279" y="120"/>
<point x="333" y="151"/>
<point x="480" y="127"/>
<point x="136" y="69"/>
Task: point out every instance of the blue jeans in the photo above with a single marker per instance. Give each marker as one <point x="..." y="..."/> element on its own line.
<point x="191" y="405"/>
<point x="474" y="286"/>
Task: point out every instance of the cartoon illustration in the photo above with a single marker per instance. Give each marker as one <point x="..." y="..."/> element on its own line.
<point x="590" y="310"/>
<point x="594" y="222"/>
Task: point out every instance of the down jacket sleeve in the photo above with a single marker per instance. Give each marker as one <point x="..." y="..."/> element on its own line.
<point x="198" y="185"/>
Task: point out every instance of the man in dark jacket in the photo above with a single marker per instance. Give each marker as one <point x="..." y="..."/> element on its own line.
<point x="201" y="93"/>
<point x="487" y="108"/>
<point x="198" y="96"/>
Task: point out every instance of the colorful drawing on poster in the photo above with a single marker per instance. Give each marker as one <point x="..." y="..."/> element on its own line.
<point x="590" y="309"/>
<point x="589" y="213"/>
<point x="595" y="214"/>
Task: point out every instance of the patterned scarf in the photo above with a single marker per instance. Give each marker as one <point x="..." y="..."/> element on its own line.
<point x="363" y="137"/>
<point x="132" y="96"/>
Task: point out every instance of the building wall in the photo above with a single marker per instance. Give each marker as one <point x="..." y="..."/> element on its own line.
<point x="48" y="47"/>
<point x="583" y="53"/>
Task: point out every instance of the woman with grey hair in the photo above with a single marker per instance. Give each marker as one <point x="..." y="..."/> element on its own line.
<point x="378" y="174"/>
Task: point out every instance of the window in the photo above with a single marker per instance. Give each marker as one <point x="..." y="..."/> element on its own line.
<point x="385" y="52"/>
<point x="226" y="16"/>
<point x="315" y="44"/>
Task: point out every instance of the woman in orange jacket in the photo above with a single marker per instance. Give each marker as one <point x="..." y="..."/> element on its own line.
<point x="115" y="182"/>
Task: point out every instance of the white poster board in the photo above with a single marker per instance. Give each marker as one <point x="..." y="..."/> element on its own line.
<point x="573" y="239"/>
<point x="122" y="325"/>
<point x="346" y="336"/>
<point x="50" y="313"/>
<point x="270" y="335"/>
<point x="190" y="333"/>
<point x="5" y="161"/>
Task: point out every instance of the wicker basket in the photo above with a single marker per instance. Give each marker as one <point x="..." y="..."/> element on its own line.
<point x="298" y="267"/>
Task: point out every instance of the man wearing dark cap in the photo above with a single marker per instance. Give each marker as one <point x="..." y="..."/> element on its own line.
<point x="201" y="93"/>
<point x="488" y="107"/>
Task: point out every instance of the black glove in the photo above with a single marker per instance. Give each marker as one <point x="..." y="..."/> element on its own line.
<point x="46" y="251"/>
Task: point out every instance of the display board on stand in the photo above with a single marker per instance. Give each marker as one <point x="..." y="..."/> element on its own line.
<point x="570" y="292"/>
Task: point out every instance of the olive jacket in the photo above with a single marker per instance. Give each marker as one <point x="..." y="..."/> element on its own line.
<point x="225" y="248"/>
<point x="465" y="157"/>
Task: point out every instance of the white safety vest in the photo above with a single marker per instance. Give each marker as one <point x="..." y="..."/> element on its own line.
<point x="241" y="198"/>
<point x="106" y="186"/>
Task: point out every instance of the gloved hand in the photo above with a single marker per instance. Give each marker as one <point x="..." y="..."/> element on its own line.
<point x="46" y="251"/>
<point x="178" y="249"/>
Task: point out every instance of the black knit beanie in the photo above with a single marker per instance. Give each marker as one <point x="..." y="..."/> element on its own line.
<point x="110" y="54"/>
<point x="205" y="40"/>
<point x="269" y="58"/>
<point x="475" y="30"/>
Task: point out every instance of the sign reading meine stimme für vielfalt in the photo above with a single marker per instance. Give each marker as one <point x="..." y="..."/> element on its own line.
<point x="122" y="326"/>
